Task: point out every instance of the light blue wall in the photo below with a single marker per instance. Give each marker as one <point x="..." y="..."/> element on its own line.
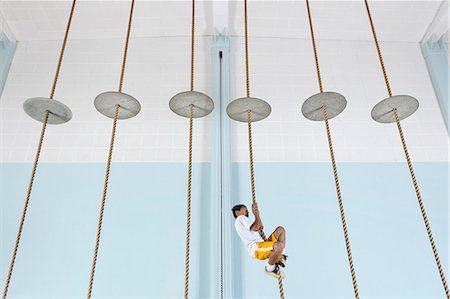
<point x="143" y="241"/>
<point x="142" y="250"/>
<point x="7" y="49"/>
<point x="221" y="165"/>
<point x="390" y="247"/>
<point x="435" y="56"/>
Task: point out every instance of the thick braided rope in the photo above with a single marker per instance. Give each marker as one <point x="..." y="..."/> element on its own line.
<point x="411" y="170"/>
<point x="280" y="285"/>
<point x="250" y="148"/>
<point x="252" y="168"/>
<point x="221" y="276"/>
<point x="192" y="45"/>
<point x="63" y="48"/>
<point x="102" y="209"/>
<point x="191" y="128"/>
<point x="25" y="208"/>
<point x="108" y="167"/>
<point x="247" y="71"/>
<point x="336" y="178"/>
<point x="313" y="40"/>
<point x="341" y="204"/>
<point x="188" y="219"/>
<point x="250" y="143"/>
<point x="125" y="52"/>
<point x="422" y="207"/>
<point x="380" y="57"/>
<point x="252" y="177"/>
<point x="36" y="159"/>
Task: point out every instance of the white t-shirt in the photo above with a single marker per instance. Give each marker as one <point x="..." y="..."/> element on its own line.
<point x="249" y="238"/>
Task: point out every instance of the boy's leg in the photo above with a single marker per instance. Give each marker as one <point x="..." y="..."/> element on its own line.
<point x="272" y="267"/>
<point x="278" y="248"/>
<point x="280" y="235"/>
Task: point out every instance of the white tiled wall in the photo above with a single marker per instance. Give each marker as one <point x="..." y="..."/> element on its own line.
<point x="282" y="72"/>
<point x="45" y="20"/>
<point x="405" y="20"/>
<point x="157" y="69"/>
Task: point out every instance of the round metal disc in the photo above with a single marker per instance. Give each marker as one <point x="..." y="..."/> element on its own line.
<point x="106" y="103"/>
<point x="312" y="107"/>
<point x="237" y="109"/>
<point x="203" y="104"/>
<point x="37" y="107"/>
<point x="406" y="106"/>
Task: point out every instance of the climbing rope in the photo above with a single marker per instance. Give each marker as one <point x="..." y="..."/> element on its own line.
<point x="313" y="40"/>
<point x="110" y="153"/>
<point x="380" y="57"/>
<point x="422" y="207"/>
<point x="63" y="48"/>
<point x="252" y="177"/>
<point x="191" y="130"/>
<point x="188" y="218"/>
<point x="408" y="160"/>
<point x="250" y="143"/>
<point x="252" y="169"/>
<point x="333" y="161"/>
<point x="247" y="72"/>
<point x="341" y="204"/>
<point x="102" y="209"/>
<point x="192" y="44"/>
<point x="125" y="52"/>
<point x="36" y="159"/>
<point x="25" y="208"/>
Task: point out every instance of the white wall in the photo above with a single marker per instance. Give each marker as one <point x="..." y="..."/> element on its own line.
<point x="157" y="69"/>
<point x="282" y="72"/>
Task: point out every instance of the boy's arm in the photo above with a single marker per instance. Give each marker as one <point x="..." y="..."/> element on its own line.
<point x="257" y="225"/>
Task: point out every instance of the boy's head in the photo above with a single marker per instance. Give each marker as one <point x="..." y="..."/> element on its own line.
<point x="239" y="210"/>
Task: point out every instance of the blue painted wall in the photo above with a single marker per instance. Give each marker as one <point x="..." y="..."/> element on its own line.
<point x="390" y="247"/>
<point x="142" y="249"/>
<point x="221" y="164"/>
<point x="435" y="56"/>
<point x="7" y="49"/>
<point x="143" y="240"/>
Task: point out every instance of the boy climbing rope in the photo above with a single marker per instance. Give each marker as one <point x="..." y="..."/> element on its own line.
<point x="272" y="249"/>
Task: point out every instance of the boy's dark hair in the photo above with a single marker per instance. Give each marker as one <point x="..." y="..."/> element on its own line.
<point x="236" y="208"/>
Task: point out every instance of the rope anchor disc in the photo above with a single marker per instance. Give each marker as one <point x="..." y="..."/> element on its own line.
<point x="47" y="111"/>
<point x="238" y="109"/>
<point x="312" y="107"/>
<point x="37" y="108"/>
<point x="404" y="104"/>
<point x="202" y="104"/>
<point x="106" y="103"/>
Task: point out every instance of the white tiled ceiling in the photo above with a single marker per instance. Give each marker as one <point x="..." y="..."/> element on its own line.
<point x="336" y="20"/>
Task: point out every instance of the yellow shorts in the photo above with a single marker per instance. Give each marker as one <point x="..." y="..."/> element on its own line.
<point x="265" y="248"/>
